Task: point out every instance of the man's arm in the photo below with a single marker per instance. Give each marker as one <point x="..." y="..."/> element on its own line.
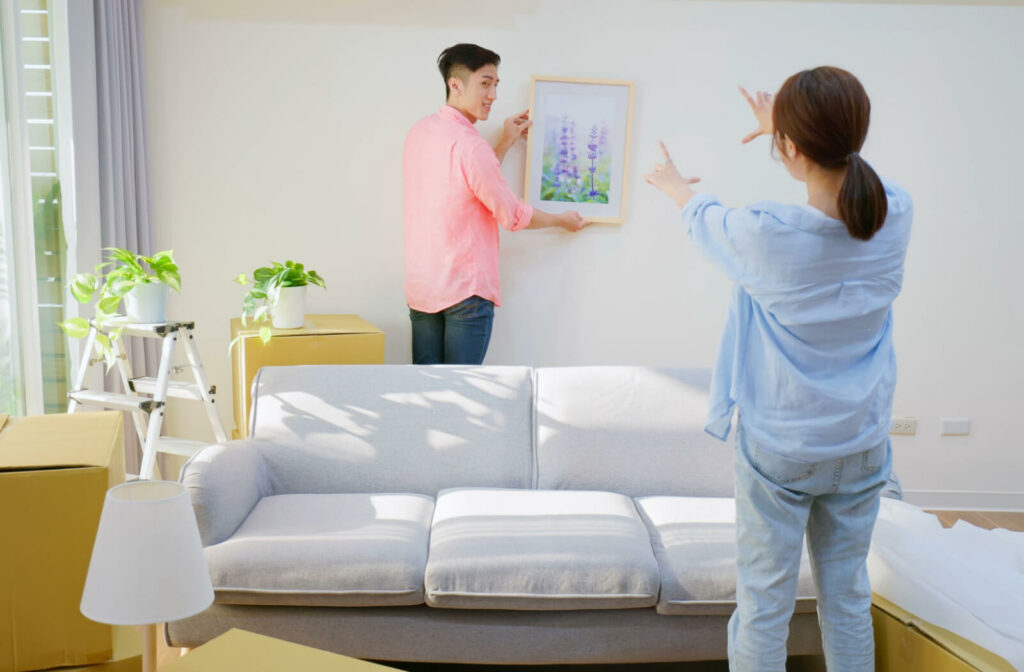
<point x="484" y="178"/>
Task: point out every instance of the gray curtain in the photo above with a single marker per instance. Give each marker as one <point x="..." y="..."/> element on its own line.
<point x="124" y="162"/>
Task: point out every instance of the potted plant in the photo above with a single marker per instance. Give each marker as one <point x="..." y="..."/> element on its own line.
<point x="278" y="294"/>
<point x="123" y="276"/>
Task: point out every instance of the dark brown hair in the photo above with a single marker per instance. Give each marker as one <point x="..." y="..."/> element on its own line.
<point x="825" y="113"/>
<point x="461" y="59"/>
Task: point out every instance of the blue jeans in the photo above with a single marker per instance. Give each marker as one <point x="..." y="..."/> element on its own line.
<point x="836" y="503"/>
<point x="456" y="335"/>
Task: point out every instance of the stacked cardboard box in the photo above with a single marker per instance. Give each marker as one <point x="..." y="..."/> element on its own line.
<point x="324" y="339"/>
<point x="55" y="471"/>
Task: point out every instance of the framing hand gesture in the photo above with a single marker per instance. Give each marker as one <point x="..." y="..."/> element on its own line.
<point x="762" y="108"/>
<point x="668" y="180"/>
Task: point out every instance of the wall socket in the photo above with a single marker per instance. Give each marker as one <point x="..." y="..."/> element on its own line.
<point x="903" y="426"/>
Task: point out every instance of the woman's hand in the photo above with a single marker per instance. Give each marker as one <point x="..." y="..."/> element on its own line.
<point x="762" y="107"/>
<point x="668" y="180"/>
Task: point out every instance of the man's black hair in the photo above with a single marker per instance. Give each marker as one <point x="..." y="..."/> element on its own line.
<point x="468" y="56"/>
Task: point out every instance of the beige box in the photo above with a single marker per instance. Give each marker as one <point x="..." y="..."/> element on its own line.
<point x="905" y="643"/>
<point x="324" y="339"/>
<point x="55" y="471"/>
<point x="127" y="653"/>
<point x="241" y="651"/>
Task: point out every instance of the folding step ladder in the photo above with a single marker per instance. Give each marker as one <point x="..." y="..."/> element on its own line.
<point x="146" y="398"/>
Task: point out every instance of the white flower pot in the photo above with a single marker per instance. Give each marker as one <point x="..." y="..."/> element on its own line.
<point x="289" y="312"/>
<point x="147" y="303"/>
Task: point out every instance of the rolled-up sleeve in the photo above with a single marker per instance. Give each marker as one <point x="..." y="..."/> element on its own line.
<point x="718" y="231"/>
<point x="483" y="175"/>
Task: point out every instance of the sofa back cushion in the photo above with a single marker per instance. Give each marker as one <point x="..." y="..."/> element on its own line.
<point x="414" y="429"/>
<point x="634" y="430"/>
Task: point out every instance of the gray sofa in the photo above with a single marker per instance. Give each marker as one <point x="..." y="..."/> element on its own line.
<point x="499" y="515"/>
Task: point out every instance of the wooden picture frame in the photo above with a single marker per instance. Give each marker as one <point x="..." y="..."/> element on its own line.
<point x="577" y="151"/>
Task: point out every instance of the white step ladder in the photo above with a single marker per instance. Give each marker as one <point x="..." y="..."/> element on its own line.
<point x="146" y="398"/>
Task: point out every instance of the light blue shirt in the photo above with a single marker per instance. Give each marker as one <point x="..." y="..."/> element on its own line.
<point x="807" y="354"/>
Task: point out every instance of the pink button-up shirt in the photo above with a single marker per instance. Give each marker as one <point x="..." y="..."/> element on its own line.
<point x="454" y="199"/>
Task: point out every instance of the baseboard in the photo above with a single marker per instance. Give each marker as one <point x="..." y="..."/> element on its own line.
<point x="960" y="500"/>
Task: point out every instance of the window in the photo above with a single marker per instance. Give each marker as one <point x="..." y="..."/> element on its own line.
<point x="34" y="358"/>
<point x="11" y="387"/>
<point x="48" y="227"/>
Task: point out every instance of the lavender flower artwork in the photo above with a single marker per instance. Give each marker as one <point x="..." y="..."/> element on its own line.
<point x="562" y="167"/>
<point x="577" y="152"/>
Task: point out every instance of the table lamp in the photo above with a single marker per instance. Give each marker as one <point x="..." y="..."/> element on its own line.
<point x="147" y="562"/>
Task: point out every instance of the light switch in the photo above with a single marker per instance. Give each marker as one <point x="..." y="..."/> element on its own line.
<point x="956" y="426"/>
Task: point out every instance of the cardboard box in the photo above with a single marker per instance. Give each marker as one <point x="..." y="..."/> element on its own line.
<point x="241" y="651"/>
<point x="127" y="653"/>
<point x="905" y="643"/>
<point x="324" y="339"/>
<point x="55" y="471"/>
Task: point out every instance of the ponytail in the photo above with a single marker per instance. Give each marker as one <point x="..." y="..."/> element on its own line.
<point x="825" y="112"/>
<point x="862" y="200"/>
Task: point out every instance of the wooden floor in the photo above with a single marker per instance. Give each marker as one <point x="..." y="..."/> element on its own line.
<point x="985" y="519"/>
<point x="989" y="520"/>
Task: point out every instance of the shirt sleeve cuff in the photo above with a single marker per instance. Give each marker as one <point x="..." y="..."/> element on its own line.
<point x="524" y="213"/>
<point x="695" y="205"/>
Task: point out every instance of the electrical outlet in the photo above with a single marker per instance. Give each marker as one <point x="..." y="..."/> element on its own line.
<point x="903" y="426"/>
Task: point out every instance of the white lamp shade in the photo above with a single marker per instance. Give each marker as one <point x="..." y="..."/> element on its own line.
<point x="147" y="563"/>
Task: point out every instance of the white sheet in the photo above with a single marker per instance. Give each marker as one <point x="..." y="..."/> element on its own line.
<point x="965" y="579"/>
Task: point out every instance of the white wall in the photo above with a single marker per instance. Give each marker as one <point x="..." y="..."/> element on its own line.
<point x="276" y="132"/>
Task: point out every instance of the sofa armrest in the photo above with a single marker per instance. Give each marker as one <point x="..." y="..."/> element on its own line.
<point x="225" y="481"/>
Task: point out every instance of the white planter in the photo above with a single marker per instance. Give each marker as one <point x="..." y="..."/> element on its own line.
<point x="147" y="304"/>
<point x="290" y="310"/>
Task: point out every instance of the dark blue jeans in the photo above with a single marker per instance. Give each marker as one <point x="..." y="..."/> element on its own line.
<point x="456" y="335"/>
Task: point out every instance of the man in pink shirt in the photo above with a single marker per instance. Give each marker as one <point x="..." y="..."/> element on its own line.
<point x="454" y="200"/>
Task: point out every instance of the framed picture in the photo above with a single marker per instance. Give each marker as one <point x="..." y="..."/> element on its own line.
<point x="577" y="151"/>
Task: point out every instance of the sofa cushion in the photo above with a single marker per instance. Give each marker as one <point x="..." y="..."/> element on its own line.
<point x="634" y="430"/>
<point x="350" y="550"/>
<point x="394" y="428"/>
<point x="538" y="550"/>
<point x="694" y="539"/>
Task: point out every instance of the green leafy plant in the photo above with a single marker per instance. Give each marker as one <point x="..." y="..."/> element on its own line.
<point x="106" y="287"/>
<point x="266" y="285"/>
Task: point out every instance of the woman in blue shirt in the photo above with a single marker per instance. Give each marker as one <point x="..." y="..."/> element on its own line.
<point x="807" y="359"/>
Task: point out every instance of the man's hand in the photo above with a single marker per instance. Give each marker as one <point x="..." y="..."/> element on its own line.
<point x="571" y="220"/>
<point x="668" y="180"/>
<point x="762" y="108"/>
<point x="515" y="127"/>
